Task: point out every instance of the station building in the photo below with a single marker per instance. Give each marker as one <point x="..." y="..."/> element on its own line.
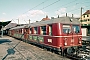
<point x="85" y="23"/>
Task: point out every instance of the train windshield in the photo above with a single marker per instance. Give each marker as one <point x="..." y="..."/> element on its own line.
<point x="76" y="28"/>
<point x="66" y="28"/>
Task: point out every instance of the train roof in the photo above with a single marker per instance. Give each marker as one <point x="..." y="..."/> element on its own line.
<point x="63" y="20"/>
<point x="18" y="27"/>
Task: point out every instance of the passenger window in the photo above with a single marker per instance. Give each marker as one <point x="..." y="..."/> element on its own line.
<point x="30" y="30"/>
<point x="66" y="29"/>
<point x="27" y="30"/>
<point x="76" y="28"/>
<point x="35" y="30"/>
<point x="50" y="29"/>
<point x="43" y="30"/>
<point x="22" y="31"/>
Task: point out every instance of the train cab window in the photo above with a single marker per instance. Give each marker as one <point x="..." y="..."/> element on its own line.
<point x="66" y="29"/>
<point x="50" y="29"/>
<point x="43" y="30"/>
<point x="35" y="30"/>
<point x="76" y="28"/>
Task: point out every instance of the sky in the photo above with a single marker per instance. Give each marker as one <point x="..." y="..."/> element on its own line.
<point x="35" y="10"/>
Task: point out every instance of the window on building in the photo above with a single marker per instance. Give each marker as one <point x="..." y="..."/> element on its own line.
<point x="66" y="29"/>
<point x="84" y="16"/>
<point x="87" y="15"/>
<point x="85" y="24"/>
<point x="88" y="19"/>
<point x="80" y="20"/>
<point x="43" y="30"/>
<point x="85" y="20"/>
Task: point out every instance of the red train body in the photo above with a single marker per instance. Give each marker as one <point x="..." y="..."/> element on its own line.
<point x="61" y="34"/>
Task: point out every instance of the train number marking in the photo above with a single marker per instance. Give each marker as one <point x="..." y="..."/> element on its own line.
<point x="50" y="40"/>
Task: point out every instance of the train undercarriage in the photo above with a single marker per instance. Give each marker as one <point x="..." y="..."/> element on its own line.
<point x="76" y="53"/>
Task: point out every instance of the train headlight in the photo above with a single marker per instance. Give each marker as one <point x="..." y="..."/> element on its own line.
<point x="80" y="42"/>
<point x="65" y="41"/>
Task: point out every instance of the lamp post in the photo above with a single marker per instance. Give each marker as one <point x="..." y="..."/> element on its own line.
<point x="81" y="16"/>
<point x="2" y="31"/>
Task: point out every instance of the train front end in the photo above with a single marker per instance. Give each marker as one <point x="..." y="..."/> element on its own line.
<point x="70" y="36"/>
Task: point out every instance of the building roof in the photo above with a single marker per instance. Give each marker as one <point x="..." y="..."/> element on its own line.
<point x="45" y="18"/>
<point x="87" y="12"/>
<point x="4" y="24"/>
<point x="10" y="25"/>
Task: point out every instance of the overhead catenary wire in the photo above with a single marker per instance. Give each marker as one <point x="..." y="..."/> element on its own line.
<point x="41" y="8"/>
<point x="75" y="5"/>
<point x="52" y="4"/>
<point x="35" y="7"/>
<point x="46" y="6"/>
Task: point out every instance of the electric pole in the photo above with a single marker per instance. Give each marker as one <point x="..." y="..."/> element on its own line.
<point x="29" y="21"/>
<point x="18" y="21"/>
<point x="81" y="15"/>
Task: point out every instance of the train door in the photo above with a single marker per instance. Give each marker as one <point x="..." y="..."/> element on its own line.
<point x="26" y="33"/>
<point x="67" y="35"/>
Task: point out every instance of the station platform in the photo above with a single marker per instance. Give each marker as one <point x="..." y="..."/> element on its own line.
<point x="24" y="51"/>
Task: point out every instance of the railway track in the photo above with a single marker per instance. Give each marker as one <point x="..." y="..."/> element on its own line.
<point x="28" y="51"/>
<point x="84" y="52"/>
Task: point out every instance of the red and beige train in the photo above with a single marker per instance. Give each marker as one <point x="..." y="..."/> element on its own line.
<point x="61" y="34"/>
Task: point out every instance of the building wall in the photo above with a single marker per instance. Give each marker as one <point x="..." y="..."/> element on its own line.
<point x="85" y="23"/>
<point x="85" y="20"/>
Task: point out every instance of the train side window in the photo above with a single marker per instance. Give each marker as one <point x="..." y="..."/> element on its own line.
<point x="19" y="31"/>
<point x="66" y="29"/>
<point x="43" y="30"/>
<point x="76" y="28"/>
<point x="50" y="29"/>
<point x="30" y="30"/>
<point x="22" y="31"/>
<point x="35" y="30"/>
<point x="27" y="30"/>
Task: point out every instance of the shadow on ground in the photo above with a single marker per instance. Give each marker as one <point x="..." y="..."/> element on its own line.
<point x="4" y="41"/>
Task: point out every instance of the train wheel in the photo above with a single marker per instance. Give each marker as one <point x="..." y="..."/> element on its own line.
<point x="70" y="50"/>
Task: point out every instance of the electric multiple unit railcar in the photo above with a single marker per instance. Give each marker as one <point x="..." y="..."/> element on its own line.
<point x="61" y="34"/>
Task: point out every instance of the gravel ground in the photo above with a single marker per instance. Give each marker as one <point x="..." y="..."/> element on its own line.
<point x="24" y="51"/>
